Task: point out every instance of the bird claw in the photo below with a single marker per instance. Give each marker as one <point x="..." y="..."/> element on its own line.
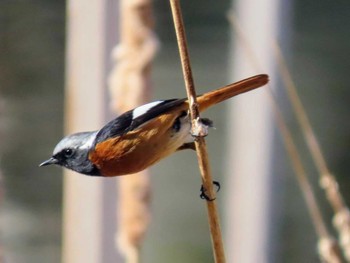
<point x="201" y="126"/>
<point x="203" y="195"/>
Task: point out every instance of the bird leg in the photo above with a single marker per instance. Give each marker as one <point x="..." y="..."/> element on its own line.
<point x="203" y="194"/>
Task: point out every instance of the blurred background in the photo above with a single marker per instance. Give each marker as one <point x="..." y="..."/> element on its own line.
<point x="32" y="57"/>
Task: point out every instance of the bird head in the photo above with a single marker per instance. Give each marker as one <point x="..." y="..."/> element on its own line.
<point x="72" y="152"/>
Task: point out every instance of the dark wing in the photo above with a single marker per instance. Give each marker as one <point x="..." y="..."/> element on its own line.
<point x="126" y="122"/>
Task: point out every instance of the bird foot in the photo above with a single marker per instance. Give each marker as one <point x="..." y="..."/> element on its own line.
<point x="201" y="126"/>
<point x="203" y="194"/>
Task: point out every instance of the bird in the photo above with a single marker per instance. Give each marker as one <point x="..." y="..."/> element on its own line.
<point x="142" y="136"/>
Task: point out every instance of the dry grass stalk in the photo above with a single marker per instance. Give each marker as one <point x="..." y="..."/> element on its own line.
<point x="327" y="247"/>
<point x="2" y="195"/>
<point x="129" y="85"/>
<point x="129" y="81"/>
<point x="341" y="219"/>
<point x="201" y="149"/>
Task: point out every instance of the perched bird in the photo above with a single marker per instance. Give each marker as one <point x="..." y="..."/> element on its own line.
<point x="140" y="137"/>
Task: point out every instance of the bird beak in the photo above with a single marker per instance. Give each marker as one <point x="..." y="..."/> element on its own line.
<point x="49" y="161"/>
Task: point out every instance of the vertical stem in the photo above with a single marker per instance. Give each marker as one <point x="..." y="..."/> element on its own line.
<point x="129" y="85"/>
<point x="327" y="247"/>
<point x="85" y="217"/>
<point x="201" y="149"/>
<point x="328" y="182"/>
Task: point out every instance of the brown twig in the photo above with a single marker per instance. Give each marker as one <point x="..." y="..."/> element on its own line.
<point x="201" y="149"/>
<point x="341" y="219"/>
<point x="327" y="246"/>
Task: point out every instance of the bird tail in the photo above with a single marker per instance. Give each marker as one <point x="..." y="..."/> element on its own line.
<point x="213" y="97"/>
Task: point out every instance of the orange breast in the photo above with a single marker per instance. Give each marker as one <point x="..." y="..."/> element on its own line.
<point x="138" y="149"/>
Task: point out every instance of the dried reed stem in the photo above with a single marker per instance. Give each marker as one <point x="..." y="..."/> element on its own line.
<point x="327" y="247"/>
<point x="2" y="195"/>
<point x="201" y="149"/>
<point x="129" y="87"/>
<point x="341" y="219"/>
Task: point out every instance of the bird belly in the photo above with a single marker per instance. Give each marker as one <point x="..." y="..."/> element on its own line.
<point x="141" y="148"/>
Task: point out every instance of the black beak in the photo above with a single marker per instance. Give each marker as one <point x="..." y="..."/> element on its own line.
<point x="49" y="162"/>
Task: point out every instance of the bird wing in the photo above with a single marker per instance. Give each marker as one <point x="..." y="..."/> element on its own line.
<point x="133" y="119"/>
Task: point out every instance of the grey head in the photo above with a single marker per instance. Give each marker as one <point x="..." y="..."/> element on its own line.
<point x="72" y="152"/>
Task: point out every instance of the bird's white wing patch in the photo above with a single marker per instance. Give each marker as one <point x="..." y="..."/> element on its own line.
<point x="144" y="108"/>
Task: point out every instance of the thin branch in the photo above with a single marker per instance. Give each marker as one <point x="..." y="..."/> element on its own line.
<point x="341" y="219"/>
<point x="327" y="247"/>
<point x="201" y="149"/>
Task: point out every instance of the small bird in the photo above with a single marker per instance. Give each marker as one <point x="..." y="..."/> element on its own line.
<point x="140" y="137"/>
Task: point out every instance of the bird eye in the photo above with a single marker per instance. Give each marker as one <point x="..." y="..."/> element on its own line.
<point x="68" y="153"/>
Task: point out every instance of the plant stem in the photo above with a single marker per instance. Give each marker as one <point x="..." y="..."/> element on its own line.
<point x="201" y="149"/>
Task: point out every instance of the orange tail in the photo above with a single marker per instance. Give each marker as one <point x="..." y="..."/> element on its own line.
<point x="213" y="97"/>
